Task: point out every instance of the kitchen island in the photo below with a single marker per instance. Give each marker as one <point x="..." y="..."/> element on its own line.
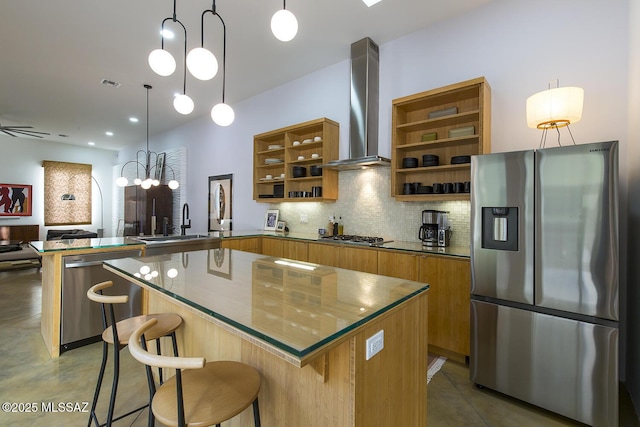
<point x="304" y="327"/>
<point x="52" y="253"/>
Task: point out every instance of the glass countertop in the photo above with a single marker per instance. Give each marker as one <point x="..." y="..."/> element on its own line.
<point x="73" y="244"/>
<point x="296" y="306"/>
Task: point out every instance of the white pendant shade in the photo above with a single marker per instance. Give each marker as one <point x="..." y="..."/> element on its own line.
<point x="121" y="181"/>
<point x="202" y="64"/>
<point x="183" y="104"/>
<point x="173" y="184"/>
<point x="162" y="62"/>
<point x="137" y="181"/>
<point x="222" y="114"/>
<point x="146" y="184"/>
<point x="555" y="107"/>
<point x="284" y="25"/>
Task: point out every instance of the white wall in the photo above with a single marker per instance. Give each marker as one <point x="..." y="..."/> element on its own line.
<point x="518" y="46"/>
<point x="22" y="164"/>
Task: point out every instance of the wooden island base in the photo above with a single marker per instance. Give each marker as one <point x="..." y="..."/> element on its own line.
<point x="338" y="387"/>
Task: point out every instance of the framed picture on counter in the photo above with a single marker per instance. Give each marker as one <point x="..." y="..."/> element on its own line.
<point x="281" y="226"/>
<point x="271" y="219"/>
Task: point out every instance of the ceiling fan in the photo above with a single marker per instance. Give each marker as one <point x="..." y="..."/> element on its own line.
<point x="21" y="130"/>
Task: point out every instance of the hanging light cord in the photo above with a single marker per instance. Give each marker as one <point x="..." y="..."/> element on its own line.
<point x="174" y="18"/>
<point x="224" y="42"/>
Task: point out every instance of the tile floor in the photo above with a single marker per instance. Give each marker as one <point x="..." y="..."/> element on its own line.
<point x="29" y="376"/>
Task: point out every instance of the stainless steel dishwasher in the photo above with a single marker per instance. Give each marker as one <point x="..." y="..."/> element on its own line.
<point x="81" y="322"/>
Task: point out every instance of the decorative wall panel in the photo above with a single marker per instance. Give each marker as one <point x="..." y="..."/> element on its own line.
<point x="67" y="193"/>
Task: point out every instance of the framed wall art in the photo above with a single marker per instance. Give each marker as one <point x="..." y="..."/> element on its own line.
<point x="16" y="200"/>
<point x="220" y="202"/>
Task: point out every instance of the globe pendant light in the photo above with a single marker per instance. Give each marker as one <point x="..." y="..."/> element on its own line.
<point x="160" y="60"/>
<point x="284" y="24"/>
<point x="183" y="104"/>
<point x="222" y="114"/>
<point x="203" y="64"/>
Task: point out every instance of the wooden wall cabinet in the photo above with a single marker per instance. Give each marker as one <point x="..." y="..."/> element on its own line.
<point x="138" y="208"/>
<point x="274" y="154"/>
<point x="412" y="123"/>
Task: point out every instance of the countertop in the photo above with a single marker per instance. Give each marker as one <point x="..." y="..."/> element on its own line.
<point x="49" y="246"/>
<point x="416" y="247"/>
<point x="297" y="307"/>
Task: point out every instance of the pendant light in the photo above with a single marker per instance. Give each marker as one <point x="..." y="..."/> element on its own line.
<point x="163" y="64"/>
<point x="284" y="24"/>
<point x="203" y="64"/>
<point x="148" y="155"/>
<point x="222" y="114"/>
<point x="160" y="60"/>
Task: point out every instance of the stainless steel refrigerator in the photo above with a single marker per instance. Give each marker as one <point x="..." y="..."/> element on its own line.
<point x="544" y="294"/>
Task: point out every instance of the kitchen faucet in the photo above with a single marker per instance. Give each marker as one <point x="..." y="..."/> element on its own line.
<point x="184" y="226"/>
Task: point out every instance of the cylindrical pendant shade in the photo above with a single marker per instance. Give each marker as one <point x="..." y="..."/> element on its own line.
<point x="555" y="107"/>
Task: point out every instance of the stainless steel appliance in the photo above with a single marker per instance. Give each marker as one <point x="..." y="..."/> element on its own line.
<point x="81" y="321"/>
<point x="544" y="295"/>
<point x="356" y="240"/>
<point x="435" y="230"/>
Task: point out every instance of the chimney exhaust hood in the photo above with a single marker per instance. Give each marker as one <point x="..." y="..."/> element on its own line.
<point x="363" y="131"/>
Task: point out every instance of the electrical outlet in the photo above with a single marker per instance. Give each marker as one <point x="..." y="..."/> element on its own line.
<point x="375" y="343"/>
<point x="304" y="218"/>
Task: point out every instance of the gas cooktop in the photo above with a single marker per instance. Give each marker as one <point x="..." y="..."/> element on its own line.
<point x="355" y="240"/>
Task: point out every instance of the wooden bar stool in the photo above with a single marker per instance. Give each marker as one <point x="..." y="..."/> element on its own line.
<point x="165" y="324"/>
<point x="204" y="395"/>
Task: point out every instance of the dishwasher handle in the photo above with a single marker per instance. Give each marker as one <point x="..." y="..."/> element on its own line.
<point x="80" y="264"/>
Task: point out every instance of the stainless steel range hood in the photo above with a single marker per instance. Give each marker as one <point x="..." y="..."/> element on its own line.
<point x="363" y="140"/>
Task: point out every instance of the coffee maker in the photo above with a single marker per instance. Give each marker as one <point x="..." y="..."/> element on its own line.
<point x="435" y="230"/>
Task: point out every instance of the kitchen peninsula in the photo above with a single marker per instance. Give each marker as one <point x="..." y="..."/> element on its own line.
<point x="304" y="327"/>
<point x="53" y="253"/>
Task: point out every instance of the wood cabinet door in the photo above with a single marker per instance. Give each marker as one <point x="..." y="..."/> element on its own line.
<point x="323" y="254"/>
<point x="273" y="247"/>
<point x="247" y="244"/>
<point x="358" y="259"/>
<point x="295" y="250"/>
<point x="449" y="302"/>
<point x="394" y="264"/>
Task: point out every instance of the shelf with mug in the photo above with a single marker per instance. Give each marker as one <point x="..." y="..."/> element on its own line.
<point x="316" y="137"/>
<point x="426" y="124"/>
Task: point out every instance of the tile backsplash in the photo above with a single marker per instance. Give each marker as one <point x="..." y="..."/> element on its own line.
<point x="367" y="208"/>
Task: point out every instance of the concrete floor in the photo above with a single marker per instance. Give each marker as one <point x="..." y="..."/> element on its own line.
<point x="29" y="376"/>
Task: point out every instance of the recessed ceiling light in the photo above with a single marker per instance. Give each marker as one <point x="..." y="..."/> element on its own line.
<point x="370" y="3"/>
<point x="133" y="119"/>
<point x="168" y="34"/>
<point x="108" y="133"/>
<point x="91" y="143"/>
